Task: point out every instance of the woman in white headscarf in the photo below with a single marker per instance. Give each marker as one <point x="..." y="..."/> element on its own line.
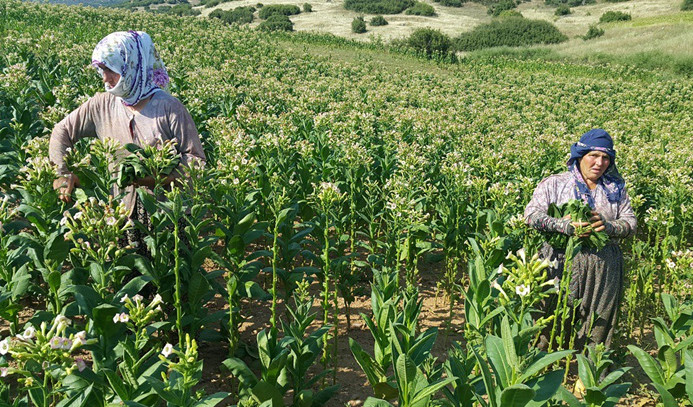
<point x="134" y="109"/>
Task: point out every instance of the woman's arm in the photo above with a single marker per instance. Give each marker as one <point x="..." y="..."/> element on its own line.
<point x="78" y="124"/>
<point x="625" y="224"/>
<point x="188" y="139"/>
<point x="536" y="212"/>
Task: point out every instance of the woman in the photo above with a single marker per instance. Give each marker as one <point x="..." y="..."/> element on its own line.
<point x="597" y="276"/>
<point x="134" y="109"/>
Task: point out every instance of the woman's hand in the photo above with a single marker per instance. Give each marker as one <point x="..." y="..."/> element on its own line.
<point x="65" y="185"/>
<point x="597" y="221"/>
<point x="578" y="226"/>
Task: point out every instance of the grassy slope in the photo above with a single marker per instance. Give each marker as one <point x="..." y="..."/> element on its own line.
<point x="654" y="38"/>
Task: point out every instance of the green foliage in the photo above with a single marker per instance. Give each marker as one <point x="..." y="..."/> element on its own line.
<point x="307" y="8"/>
<point x="578" y="211"/>
<point x="593" y="32"/>
<point x="378" y="20"/>
<point x="510" y="13"/>
<point x="276" y="22"/>
<point x="278" y="9"/>
<point x="421" y="9"/>
<point x="497" y="8"/>
<point x="378" y="6"/>
<point x="570" y="3"/>
<point x="238" y="15"/>
<point x="512" y="32"/>
<point x="562" y="10"/>
<point x="358" y="25"/>
<point x="450" y="3"/>
<point x="687" y="5"/>
<point x="178" y="10"/>
<point x="610" y="16"/>
<point x="430" y="42"/>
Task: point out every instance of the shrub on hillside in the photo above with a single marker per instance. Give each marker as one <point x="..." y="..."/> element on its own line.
<point x="358" y="25"/>
<point x="593" y="32"/>
<point x="503" y="5"/>
<point x="307" y="8"/>
<point x="378" y="21"/>
<point x="378" y="6"/>
<point x="276" y="22"/>
<point x="280" y="9"/>
<point x="569" y="3"/>
<point x="510" y="13"/>
<point x="421" y="9"/>
<point x="562" y="10"/>
<point x="610" y="16"/>
<point x="450" y="3"/>
<point x="687" y="5"/>
<point x="430" y="42"/>
<point x="511" y="32"/>
<point x="239" y="15"/>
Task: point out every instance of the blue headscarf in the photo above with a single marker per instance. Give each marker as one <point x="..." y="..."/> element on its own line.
<point x="611" y="180"/>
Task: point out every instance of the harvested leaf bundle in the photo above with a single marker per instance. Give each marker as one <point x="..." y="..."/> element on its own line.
<point x="579" y="211"/>
<point x="149" y="161"/>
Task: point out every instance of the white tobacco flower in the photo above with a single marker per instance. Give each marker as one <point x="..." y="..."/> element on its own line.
<point x="56" y="342"/>
<point x="670" y="263"/>
<point x="137" y="298"/>
<point x="556" y="283"/>
<point x="156" y="301"/>
<point x="29" y="333"/>
<point x="124" y="298"/>
<point x="123" y="317"/>
<point x="168" y="349"/>
<point x="81" y="364"/>
<point x="522" y="254"/>
<point x="522" y="290"/>
<point x="4" y="346"/>
<point x="66" y="344"/>
<point x="4" y="371"/>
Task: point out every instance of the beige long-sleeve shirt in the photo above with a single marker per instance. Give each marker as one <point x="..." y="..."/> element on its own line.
<point x="163" y="118"/>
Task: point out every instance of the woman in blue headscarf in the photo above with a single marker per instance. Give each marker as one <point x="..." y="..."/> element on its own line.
<point x="597" y="276"/>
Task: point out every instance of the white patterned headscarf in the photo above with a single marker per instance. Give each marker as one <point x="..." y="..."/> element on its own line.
<point x="132" y="55"/>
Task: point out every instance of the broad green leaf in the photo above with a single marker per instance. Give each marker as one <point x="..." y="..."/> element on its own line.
<point x="545" y="387"/>
<point x="373" y="402"/>
<point x="568" y="397"/>
<point x="509" y="344"/>
<point x="264" y="391"/>
<point x="517" y="395"/>
<point x="198" y="287"/>
<point x="667" y="399"/>
<point x="212" y="400"/>
<point x="688" y="364"/>
<point x="543" y="362"/>
<point x="594" y="395"/>
<point x="406" y="375"/>
<point x="488" y="380"/>
<point x="586" y="371"/>
<point x="430" y="390"/>
<point x="496" y="355"/>
<point x="649" y="365"/>
<point x="54" y="280"/>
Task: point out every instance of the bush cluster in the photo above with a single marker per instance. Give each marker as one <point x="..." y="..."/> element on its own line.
<point x="278" y="9"/>
<point x="687" y="5"/>
<point x="307" y="8"/>
<point x="421" y="9"/>
<point x="430" y="42"/>
<point x="378" y="21"/>
<point x="358" y="25"/>
<point x="511" y="32"/>
<point x="503" y="5"/>
<point x="610" y="16"/>
<point x="276" y="22"/>
<point x="569" y="3"/>
<point x="510" y="13"/>
<point x="593" y="32"/>
<point x="562" y="10"/>
<point x="450" y="3"/>
<point x="239" y="15"/>
<point x="378" y="6"/>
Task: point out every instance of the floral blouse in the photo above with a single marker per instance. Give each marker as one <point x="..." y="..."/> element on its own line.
<point x="619" y="220"/>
